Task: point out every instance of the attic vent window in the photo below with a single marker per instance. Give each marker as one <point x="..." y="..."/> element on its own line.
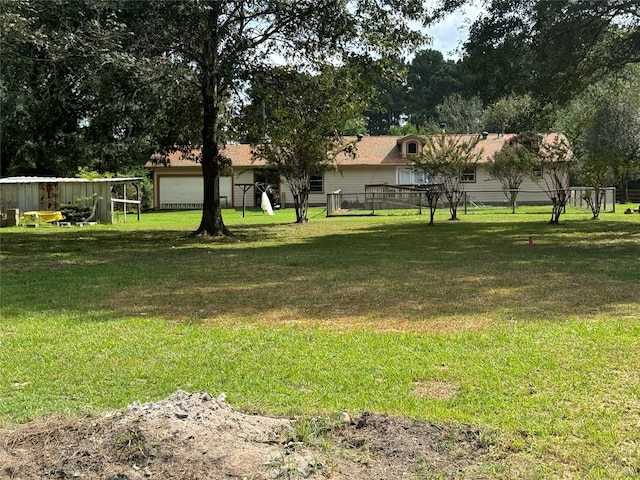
<point x="412" y="148"/>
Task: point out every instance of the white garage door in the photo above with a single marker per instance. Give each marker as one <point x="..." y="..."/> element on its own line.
<point x="187" y="192"/>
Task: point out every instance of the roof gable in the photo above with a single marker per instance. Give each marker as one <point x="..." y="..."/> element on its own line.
<point x="411" y="137"/>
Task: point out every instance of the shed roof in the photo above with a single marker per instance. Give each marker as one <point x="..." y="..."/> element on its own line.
<point x="36" y="179"/>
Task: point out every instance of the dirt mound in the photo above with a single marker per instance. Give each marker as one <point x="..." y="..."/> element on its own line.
<point x="197" y="436"/>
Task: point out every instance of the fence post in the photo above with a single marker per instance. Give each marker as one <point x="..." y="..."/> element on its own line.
<point x="373" y="203"/>
<point x="613" y="203"/>
<point x="465" y="203"/>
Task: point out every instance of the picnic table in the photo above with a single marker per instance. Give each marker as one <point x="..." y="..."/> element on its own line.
<point x="46" y="216"/>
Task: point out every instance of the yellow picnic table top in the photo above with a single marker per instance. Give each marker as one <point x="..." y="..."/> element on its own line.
<point x="44" y="215"/>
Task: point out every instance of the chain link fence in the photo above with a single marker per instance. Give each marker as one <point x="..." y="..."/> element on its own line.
<point x="399" y="200"/>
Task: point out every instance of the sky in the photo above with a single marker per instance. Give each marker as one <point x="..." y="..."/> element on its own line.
<point x="448" y="34"/>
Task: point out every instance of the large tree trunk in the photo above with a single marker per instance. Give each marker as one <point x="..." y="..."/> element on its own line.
<point x="211" y="223"/>
<point x="623" y="187"/>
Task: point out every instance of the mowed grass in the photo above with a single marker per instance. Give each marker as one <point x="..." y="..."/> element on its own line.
<point x="461" y="322"/>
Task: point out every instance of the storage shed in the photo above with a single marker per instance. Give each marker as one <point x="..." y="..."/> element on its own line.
<point x="49" y="193"/>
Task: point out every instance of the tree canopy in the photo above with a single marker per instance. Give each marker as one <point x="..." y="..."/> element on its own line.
<point x="603" y="126"/>
<point x="74" y="95"/>
<point x="430" y="79"/>
<point x="104" y="84"/>
<point x="298" y="121"/>
<point x="112" y="70"/>
<point x="550" y="48"/>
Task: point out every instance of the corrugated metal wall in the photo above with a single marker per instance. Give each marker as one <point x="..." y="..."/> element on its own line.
<point x="19" y="195"/>
<point x="52" y="195"/>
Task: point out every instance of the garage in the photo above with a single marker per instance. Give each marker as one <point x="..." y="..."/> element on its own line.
<point x="186" y="191"/>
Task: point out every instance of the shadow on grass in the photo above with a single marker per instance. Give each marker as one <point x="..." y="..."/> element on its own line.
<point x="380" y="272"/>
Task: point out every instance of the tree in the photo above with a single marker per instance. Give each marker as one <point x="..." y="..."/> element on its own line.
<point x="432" y="192"/>
<point x="72" y="97"/>
<point x="388" y="108"/>
<point x="614" y="135"/>
<point x="513" y="113"/>
<point x="511" y="165"/>
<point x="555" y="161"/>
<point x="212" y="47"/>
<point x="430" y="79"/>
<point x="551" y="48"/>
<point x="597" y="133"/>
<point x="300" y="118"/>
<point x="458" y="114"/>
<point x="446" y="158"/>
<point x="603" y="125"/>
<point x="227" y="41"/>
<point x="596" y="172"/>
<point x="39" y="109"/>
<point x="408" y="129"/>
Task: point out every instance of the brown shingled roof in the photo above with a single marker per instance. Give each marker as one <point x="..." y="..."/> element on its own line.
<point x="240" y="155"/>
<point x="375" y="150"/>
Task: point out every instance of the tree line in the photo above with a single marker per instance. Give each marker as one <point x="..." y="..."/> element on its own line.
<point x="103" y="85"/>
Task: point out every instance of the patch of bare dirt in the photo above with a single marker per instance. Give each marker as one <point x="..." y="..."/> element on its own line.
<point x="196" y="436"/>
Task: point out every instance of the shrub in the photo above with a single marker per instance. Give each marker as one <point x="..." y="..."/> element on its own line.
<point x="73" y="212"/>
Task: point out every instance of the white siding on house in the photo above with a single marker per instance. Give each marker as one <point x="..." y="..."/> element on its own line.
<point x="355" y="178"/>
<point x="349" y="180"/>
<point x="185" y="185"/>
<point x="489" y="191"/>
<point x="243" y="176"/>
<point x="380" y="160"/>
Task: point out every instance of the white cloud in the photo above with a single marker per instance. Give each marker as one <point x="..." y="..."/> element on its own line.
<point x="449" y="34"/>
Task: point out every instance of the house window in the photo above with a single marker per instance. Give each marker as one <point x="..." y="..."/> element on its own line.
<point x="537" y="172"/>
<point x="317" y="184"/>
<point x="408" y="176"/>
<point x="468" y="175"/>
<point x="412" y="148"/>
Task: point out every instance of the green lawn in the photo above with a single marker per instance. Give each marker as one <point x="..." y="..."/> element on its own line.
<point x="460" y="322"/>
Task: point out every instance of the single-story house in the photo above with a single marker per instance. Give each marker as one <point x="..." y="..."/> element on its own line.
<point x="379" y="160"/>
<point x="50" y="193"/>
